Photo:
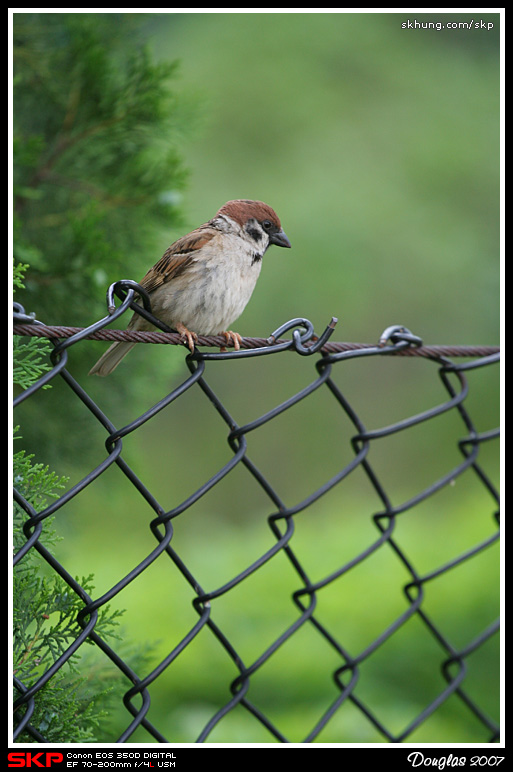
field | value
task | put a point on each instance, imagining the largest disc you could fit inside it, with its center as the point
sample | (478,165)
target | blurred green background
(379,148)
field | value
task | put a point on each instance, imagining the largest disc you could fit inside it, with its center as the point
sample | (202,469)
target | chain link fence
(325,359)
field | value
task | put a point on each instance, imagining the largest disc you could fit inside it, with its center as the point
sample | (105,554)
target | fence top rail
(174,339)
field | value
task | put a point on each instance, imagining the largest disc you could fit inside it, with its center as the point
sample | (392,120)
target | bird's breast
(212,293)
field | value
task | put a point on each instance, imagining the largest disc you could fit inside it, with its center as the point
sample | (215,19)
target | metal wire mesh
(325,357)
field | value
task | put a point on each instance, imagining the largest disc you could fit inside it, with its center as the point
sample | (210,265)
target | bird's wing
(178,257)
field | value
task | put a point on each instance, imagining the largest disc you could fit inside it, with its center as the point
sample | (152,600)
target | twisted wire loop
(327,356)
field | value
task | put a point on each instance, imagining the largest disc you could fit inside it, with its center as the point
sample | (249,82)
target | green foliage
(70,706)
(97,181)
(45,610)
(34,481)
(97,173)
(97,176)
(29,364)
(64,714)
(28,354)
(18,275)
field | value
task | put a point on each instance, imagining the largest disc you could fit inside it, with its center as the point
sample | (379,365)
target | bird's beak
(280,239)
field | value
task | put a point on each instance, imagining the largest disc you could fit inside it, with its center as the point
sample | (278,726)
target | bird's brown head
(243,211)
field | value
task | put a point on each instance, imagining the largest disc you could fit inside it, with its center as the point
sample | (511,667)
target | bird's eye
(267,225)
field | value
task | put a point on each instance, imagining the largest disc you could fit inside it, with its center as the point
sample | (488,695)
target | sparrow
(204,280)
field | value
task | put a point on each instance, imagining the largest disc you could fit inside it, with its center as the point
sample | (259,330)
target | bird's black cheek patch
(255,233)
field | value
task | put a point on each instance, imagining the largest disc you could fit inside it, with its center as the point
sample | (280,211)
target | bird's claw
(188,338)
(232,338)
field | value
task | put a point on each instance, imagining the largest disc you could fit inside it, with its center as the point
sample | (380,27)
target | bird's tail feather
(111,359)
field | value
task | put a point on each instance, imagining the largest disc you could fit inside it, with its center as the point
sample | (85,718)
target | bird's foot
(232,338)
(188,338)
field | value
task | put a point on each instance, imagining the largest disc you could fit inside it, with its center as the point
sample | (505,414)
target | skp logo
(41,759)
